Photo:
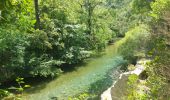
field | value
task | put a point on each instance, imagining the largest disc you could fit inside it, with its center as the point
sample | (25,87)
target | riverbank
(88,77)
(119,87)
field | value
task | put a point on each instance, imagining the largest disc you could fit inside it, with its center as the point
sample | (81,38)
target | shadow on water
(97,88)
(73,67)
(37,83)
(66,68)
(101,85)
(90,76)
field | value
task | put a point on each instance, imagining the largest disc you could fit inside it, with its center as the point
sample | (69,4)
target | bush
(12,51)
(135,41)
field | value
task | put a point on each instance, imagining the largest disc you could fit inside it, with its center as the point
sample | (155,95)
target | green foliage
(134,41)
(158,50)
(63,38)
(83,96)
(132,85)
(135,89)
(3,93)
(12,50)
(141,6)
(21,87)
(71,30)
(157,86)
(158,69)
(6,95)
(159,7)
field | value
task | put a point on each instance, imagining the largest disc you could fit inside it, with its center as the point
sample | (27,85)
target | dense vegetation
(40,37)
(37,40)
(155,17)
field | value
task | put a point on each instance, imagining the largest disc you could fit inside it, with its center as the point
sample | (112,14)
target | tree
(89,6)
(37,24)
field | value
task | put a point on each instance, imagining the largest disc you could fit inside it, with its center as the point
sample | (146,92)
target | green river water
(93,77)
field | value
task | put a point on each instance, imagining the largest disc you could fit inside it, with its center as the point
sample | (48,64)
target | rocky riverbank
(118,89)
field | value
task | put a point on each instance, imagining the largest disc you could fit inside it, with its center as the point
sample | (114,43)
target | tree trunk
(37,24)
(89,21)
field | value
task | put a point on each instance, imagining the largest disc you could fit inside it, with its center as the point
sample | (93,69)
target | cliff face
(119,88)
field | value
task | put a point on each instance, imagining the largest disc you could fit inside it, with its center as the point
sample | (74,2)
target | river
(96,75)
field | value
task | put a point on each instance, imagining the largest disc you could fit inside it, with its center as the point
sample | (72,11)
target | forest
(46,39)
